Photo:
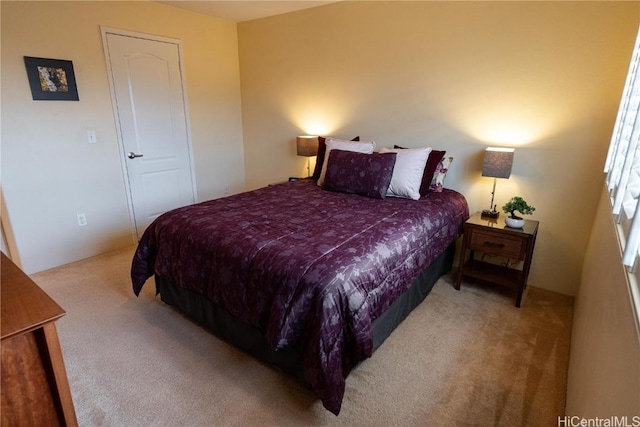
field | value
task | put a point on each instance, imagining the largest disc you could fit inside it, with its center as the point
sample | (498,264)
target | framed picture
(51,79)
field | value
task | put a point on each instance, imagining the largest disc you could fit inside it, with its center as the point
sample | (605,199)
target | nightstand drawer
(494,244)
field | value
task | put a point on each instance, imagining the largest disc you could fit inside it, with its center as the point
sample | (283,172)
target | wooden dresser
(34,386)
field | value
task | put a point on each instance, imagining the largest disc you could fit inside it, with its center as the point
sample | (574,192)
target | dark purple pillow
(430,168)
(357,173)
(322,150)
(432,163)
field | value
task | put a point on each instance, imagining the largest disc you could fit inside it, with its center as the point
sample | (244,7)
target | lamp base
(490,214)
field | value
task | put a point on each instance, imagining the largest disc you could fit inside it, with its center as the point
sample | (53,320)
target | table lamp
(307,146)
(497,164)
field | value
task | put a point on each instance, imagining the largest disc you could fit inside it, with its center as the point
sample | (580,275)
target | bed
(307,279)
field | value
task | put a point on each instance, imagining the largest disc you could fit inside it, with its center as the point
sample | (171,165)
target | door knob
(133,155)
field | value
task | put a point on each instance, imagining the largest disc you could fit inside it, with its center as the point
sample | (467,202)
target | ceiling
(241,10)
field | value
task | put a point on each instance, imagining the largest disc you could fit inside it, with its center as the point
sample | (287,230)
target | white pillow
(365,147)
(408,171)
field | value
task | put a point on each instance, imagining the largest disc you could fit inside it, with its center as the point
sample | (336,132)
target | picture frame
(51,79)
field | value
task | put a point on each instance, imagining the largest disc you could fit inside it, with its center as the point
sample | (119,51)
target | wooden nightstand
(493,238)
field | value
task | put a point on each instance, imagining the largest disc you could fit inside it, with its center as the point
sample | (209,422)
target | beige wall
(604,366)
(49,171)
(544,77)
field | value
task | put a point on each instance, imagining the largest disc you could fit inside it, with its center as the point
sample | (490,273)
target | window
(623,164)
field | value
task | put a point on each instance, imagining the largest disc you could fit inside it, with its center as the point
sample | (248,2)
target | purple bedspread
(303,264)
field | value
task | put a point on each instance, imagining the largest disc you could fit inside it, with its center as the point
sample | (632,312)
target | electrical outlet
(82,219)
(226,190)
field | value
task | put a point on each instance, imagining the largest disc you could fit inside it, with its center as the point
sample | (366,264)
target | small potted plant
(520,205)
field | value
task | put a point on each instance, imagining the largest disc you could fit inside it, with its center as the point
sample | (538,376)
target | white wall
(604,365)
(49,171)
(543,77)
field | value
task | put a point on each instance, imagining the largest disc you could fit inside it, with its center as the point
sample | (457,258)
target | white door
(147,89)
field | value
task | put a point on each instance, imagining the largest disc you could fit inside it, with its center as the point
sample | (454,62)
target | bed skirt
(250,339)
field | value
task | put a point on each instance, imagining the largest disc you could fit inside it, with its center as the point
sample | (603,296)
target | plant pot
(514,223)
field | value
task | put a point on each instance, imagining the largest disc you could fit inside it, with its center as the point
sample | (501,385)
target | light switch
(91,136)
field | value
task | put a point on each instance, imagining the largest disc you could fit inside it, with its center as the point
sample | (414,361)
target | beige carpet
(465,357)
